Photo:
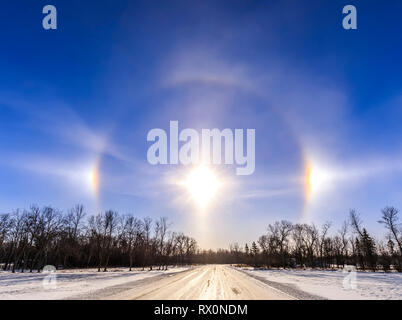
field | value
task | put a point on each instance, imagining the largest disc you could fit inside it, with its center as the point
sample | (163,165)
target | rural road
(211,282)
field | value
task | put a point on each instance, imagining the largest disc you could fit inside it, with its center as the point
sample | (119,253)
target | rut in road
(211,282)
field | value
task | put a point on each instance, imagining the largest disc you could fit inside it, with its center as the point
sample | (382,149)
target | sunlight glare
(203,185)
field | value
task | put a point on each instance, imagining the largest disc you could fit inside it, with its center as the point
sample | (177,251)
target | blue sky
(83,98)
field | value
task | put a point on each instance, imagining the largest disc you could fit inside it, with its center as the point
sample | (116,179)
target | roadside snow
(329,284)
(90,283)
(69,283)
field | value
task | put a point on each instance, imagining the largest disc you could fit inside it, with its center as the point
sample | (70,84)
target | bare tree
(111,220)
(6,224)
(281,231)
(299,247)
(356,222)
(390,220)
(69,238)
(324,232)
(310,240)
(147,243)
(132,236)
(343,236)
(236,250)
(161,228)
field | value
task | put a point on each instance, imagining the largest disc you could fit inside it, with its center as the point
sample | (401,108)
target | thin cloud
(66,125)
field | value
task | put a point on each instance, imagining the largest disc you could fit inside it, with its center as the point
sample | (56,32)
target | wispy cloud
(59,120)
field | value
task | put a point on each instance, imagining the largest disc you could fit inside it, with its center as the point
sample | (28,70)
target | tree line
(288,245)
(31,239)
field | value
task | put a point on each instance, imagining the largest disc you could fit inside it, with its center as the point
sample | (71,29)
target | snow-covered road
(210,282)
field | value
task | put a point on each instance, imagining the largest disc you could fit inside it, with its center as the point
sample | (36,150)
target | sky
(76,105)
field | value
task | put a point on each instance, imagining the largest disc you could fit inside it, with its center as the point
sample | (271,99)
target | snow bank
(69,283)
(329,284)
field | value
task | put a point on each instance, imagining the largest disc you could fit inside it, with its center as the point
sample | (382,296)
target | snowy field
(329,284)
(204,282)
(69,283)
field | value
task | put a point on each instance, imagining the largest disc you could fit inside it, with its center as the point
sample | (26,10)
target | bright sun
(203,185)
